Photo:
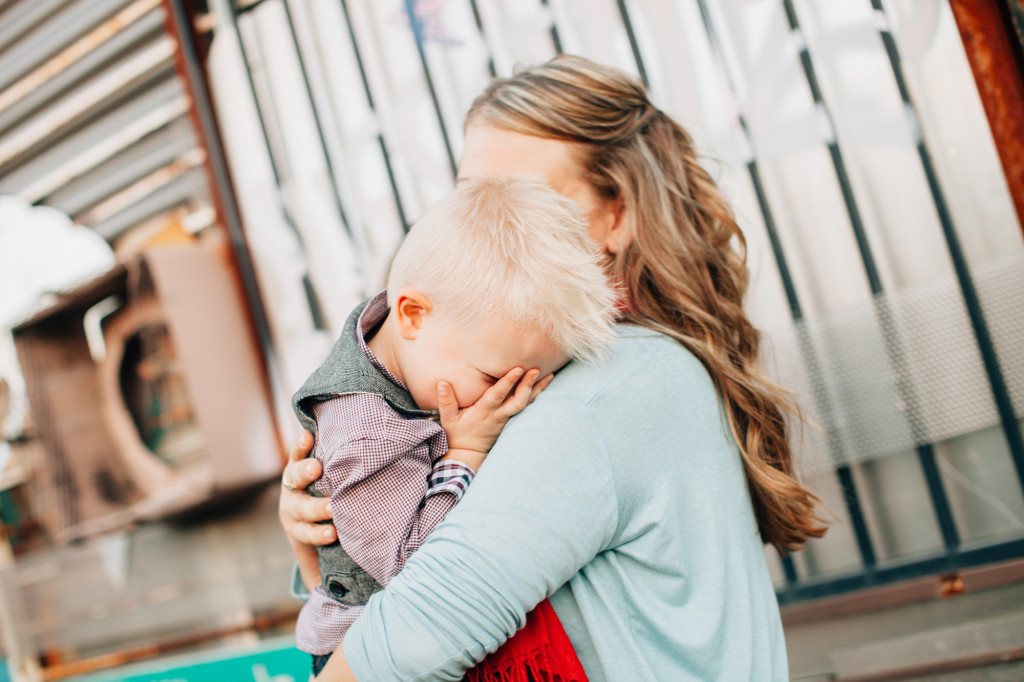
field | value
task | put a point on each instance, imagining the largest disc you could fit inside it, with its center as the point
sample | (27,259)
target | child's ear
(410,309)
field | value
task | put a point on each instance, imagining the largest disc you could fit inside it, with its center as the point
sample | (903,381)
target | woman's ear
(618,238)
(410,308)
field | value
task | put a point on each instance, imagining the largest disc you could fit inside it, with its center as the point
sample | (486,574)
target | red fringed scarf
(540,652)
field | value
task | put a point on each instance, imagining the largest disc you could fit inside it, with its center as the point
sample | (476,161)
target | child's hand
(472,431)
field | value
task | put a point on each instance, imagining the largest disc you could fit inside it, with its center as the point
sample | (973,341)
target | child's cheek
(476,391)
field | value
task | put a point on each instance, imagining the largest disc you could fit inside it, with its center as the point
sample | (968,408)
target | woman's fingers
(308,532)
(298,511)
(300,449)
(300,514)
(301,470)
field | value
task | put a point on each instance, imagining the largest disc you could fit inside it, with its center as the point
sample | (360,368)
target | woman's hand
(299,511)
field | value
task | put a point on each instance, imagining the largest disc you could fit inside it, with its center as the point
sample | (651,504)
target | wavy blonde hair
(685,270)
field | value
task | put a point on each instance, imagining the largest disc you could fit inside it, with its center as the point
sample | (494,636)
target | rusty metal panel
(993,47)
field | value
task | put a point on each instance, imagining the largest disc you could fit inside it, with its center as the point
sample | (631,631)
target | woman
(636,494)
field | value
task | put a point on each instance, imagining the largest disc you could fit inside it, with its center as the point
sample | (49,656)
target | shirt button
(337,589)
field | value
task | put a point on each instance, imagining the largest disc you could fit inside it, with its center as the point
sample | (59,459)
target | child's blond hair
(511,248)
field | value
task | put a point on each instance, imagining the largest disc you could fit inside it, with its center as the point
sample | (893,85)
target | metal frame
(179,25)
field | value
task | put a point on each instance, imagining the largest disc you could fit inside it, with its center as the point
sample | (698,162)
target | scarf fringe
(540,652)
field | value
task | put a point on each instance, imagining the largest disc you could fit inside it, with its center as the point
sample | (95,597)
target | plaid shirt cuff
(450,476)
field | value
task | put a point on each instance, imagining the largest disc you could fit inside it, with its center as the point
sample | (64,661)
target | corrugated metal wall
(95,122)
(93,118)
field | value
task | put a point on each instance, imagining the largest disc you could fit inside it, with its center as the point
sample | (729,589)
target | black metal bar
(838,164)
(822,397)
(555,38)
(857,522)
(947,562)
(944,513)
(628,23)
(417,31)
(315,309)
(890,337)
(261,119)
(483,36)
(789,569)
(319,126)
(381,142)
(180,23)
(781,262)
(819,390)
(983,339)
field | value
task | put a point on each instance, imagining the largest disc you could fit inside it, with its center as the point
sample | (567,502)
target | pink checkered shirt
(388,490)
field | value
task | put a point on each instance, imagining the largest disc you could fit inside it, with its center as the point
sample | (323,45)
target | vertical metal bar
(860,527)
(315,309)
(628,23)
(417,31)
(381,142)
(789,569)
(975,312)
(483,36)
(555,38)
(943,511)
(890,338)
(818,388)
(319,125)
(179,26)
(838,164)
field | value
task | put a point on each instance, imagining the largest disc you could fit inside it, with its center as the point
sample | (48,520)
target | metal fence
(884,247)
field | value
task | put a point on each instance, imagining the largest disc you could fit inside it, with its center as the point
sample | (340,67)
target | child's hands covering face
(472,430)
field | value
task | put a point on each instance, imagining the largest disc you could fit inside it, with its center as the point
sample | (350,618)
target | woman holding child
(634,494)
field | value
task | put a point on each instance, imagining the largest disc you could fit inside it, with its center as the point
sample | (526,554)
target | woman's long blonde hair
(685,270)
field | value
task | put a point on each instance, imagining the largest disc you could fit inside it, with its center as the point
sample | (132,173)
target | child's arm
(383,500)
(472,431)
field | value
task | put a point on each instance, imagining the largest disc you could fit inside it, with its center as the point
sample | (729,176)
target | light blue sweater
(619,493)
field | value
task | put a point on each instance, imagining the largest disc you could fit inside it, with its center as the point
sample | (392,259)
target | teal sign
(274,662)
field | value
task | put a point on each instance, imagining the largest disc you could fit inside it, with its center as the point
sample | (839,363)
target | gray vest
(347,370)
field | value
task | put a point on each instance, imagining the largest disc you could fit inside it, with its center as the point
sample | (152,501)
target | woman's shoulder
(642,361)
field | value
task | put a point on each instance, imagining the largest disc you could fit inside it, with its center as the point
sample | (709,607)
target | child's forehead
(490,328)
(514,341)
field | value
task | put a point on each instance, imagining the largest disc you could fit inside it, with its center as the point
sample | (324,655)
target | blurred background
(193,195)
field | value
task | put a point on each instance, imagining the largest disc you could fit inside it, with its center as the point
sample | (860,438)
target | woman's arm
(542,507)
(299,512)
(337,669)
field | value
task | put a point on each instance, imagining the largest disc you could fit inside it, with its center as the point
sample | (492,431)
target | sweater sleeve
(542,506)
